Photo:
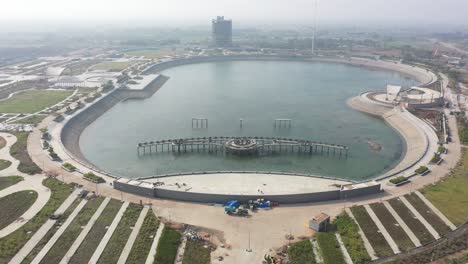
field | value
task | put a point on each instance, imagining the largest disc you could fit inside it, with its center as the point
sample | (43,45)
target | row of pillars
(203,123)
(199,122)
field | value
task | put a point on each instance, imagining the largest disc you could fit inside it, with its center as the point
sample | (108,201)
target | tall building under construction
(222,32)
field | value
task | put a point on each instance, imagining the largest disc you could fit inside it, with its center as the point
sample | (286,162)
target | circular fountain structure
(241,146)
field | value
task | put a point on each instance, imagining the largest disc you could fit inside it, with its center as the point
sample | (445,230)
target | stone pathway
(367,245)
(382,229)
(110,231)
(42,231)
(154,245)
(346,255)
(59,232)
(317,252)
(181,250)
(402,224)
(436,211)
(128,246)
(420,217)
(74,247)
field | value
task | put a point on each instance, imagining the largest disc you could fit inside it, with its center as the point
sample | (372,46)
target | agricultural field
(113,66)
(348,230)
(15,205)
(396,232)
(413,223)
(196,252)
(12,243)
(449,194)
(301,253)
(6,182)
(32,101)
(377,240)
(330,248)
(428,214)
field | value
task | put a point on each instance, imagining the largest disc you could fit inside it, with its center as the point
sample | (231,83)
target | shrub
(421,170)
(301,253)
(69,166)
(93,177)
(398,179)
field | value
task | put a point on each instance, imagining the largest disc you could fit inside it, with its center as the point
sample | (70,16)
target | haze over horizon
(243,12)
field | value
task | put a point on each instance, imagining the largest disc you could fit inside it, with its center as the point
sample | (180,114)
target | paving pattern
(128,246)
(420,218)
(402,224)
(382,229)
(367,244)
(343,249)
(154,245)
(436,211)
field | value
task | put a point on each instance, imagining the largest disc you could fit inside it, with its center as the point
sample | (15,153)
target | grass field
(196,253)
(15,205)
(348,230)
(97,232)
(377,240)
(413,223)
(113,65)
(396,232)
(301,253)
(168,245)
(142,244)
(428,214)
(4,164)
(12,243)
(63,244)
(32,101)
(121,234)
(449,195)
(330,248)
(152,54)
(34,119)
(51,232)
(19,151)
(6,182)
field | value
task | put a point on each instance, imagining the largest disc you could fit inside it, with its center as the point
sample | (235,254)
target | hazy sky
(241,11)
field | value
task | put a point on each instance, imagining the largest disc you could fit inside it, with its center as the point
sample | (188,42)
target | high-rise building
(222,32)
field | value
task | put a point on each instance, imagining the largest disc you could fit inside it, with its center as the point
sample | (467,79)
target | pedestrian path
(42,231)
(367,245)
(436,211)
(382,229)
(402,224)
(128,246)
(59,233)
(346,255)
(181,250)
(420,218)
(74,247)
(154,245)
(110,231)
(317,252)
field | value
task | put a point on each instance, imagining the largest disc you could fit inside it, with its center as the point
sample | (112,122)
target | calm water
(313,95)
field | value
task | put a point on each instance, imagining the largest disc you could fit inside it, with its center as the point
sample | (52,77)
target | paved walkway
(346,255)
(128,246)
(181,250)
(382,229)
(420,218)
(110,231)
(154,245)
(5,154)
(59,233)
(42,231)
(74,247)
(316,250)
(436,211)
(367,244)
(402,224)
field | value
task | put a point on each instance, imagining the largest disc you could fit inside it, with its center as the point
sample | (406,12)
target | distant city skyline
(242,11)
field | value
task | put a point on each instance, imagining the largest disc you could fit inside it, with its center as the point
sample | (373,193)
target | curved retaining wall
(147,189)
(71,132)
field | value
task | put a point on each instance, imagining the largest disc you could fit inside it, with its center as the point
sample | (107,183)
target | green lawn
(413,223)
(4,164)
(301,253)
(330,248)
(450,194)
(32,101)
(167,247)
(113,65)
(151,54)
(34,119)
(370,229)
(12,243)
(19,151)
(396,232)
(196,253)
(121,234)
(428,214)
(63,244)
(142,244)
(348,230)
(14,205)
(6,182)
